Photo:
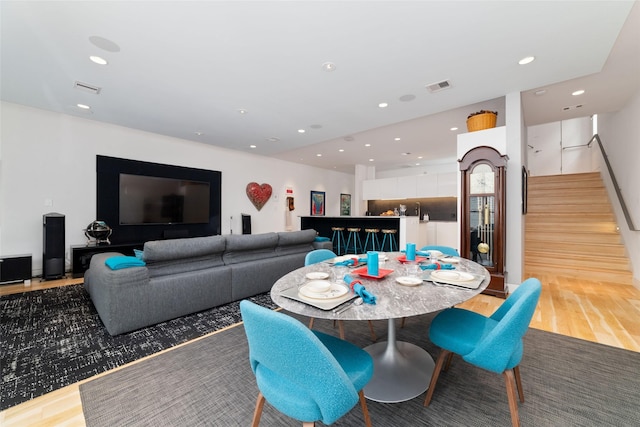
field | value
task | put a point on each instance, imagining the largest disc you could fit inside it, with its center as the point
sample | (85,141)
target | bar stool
(391,235)
(354,234)
(372,236)
(337,238)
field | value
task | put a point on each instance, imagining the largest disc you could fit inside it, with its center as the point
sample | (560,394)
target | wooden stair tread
(571,230)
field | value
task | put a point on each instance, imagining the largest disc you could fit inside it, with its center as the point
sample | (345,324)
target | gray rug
(567,382)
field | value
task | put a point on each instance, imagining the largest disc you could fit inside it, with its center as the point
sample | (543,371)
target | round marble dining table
(402,370)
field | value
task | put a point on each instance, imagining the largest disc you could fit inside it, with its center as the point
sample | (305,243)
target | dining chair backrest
(287,357)
(446,250)
(502,348)
(318,255)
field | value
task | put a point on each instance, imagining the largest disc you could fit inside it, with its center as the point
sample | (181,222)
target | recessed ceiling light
(301,131)
(396,138)
(98,60)
(341,150)
(242,111)
(419,157)
(318,155)
(526,60)
(383,105)
(371,160)
(252,146)
(329,66)
(578,92)
(83,106)
(273,139)
(367,145)
(198,133)
(417,164)
(454,128)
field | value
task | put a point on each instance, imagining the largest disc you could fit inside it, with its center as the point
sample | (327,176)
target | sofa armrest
(118,295)
(323,245)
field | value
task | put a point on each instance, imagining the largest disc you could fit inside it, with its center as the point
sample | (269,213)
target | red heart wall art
(258,194)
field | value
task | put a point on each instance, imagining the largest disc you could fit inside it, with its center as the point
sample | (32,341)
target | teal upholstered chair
(320,255)
(493,343)
(446,250)
(306,375)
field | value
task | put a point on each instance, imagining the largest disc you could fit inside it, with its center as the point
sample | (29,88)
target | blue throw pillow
(139,254)
(322,239)
(120,262)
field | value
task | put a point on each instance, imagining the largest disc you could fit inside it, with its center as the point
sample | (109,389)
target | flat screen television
(144,201)
(158,200)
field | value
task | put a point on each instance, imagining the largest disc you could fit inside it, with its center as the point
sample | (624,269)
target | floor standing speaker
(52,246)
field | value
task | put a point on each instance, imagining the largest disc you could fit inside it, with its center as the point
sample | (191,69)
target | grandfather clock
(483,215)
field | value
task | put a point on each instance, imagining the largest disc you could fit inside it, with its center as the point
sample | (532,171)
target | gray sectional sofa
(184,276)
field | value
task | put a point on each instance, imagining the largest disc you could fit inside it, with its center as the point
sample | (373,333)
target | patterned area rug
(54,337)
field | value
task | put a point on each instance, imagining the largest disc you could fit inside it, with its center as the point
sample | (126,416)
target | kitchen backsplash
(438,208)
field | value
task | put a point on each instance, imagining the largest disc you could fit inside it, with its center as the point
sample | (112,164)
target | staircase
(570,230)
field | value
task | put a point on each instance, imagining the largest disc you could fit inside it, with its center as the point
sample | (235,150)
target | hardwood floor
(601,312)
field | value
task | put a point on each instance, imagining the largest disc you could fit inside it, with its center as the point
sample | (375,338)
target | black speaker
(52,246)
(246,224)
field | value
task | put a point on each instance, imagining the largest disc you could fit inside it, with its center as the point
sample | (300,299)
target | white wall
(620,136)
(48,156)
(560,147)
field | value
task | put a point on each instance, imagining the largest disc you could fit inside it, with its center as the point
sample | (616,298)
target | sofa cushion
(295,242)
(175,249)
(249,247)
(289,238)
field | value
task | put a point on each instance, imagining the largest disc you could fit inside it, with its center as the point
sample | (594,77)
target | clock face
(482,180)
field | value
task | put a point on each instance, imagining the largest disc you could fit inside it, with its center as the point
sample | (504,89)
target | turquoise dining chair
(493,343)
(319,255)
(446,250)
(304,374)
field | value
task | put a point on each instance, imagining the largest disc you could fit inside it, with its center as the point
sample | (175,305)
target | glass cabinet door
(482,214)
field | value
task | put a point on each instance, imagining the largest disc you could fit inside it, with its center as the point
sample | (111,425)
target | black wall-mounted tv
(144,201)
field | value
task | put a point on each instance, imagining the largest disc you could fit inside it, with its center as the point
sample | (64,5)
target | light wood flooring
(594,311)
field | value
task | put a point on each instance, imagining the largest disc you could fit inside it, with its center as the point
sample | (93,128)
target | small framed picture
(345,204)
(317,203)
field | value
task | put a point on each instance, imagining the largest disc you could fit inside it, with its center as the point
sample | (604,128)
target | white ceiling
(184,69)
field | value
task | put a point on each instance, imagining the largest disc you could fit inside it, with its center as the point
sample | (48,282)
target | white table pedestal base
(401,370)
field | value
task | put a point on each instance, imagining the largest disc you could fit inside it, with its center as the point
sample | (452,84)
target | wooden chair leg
(402,322)
(374,337)
(449,359)
(516,372)
(257,413)
(436,373)
(365,410)
(511,395)
(341,329)
(311,323)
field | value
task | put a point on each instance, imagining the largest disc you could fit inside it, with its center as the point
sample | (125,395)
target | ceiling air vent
(87,88)
(436,87)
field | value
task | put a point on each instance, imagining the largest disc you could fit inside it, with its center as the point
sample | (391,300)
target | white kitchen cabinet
(447,184)
(426,185)
(406,187)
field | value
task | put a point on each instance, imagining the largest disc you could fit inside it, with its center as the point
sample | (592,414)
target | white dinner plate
(317,286)
(317,275)
(409,280)
(451,276)
(433,252)
(449,259)
(336,290)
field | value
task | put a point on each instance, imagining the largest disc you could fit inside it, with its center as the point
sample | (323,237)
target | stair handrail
(623,205)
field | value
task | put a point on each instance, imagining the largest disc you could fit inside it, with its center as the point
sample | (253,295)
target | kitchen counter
(406,226)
